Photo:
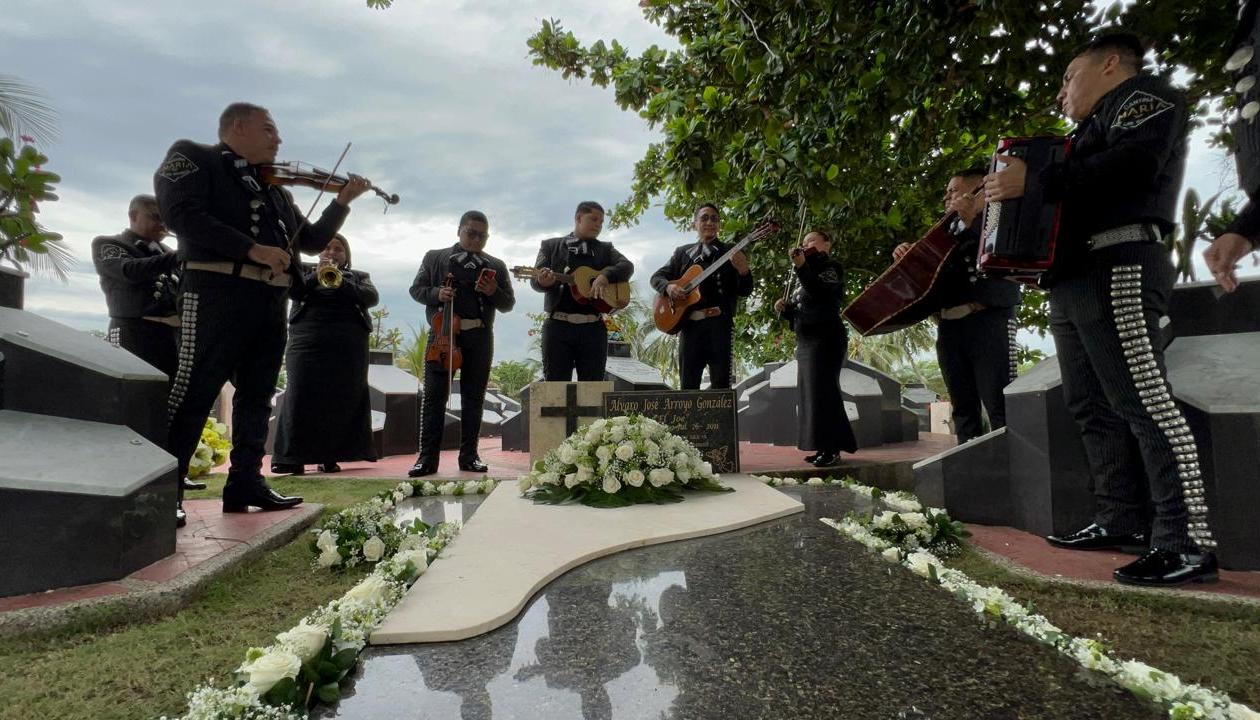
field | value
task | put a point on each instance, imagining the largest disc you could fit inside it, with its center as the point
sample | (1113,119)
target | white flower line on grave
(620,461)
(1183,701)
(320,650)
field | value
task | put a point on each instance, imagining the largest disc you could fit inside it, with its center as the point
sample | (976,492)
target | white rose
(304,640)
(620,420)
(920,562)
(329,558)
(398,496)
(585,473)
(571,480)
(327,541)
(374,588)
(447,488)
(706,469)
(419,556)
(683,474)
(373,549)
(611,484)
(592,436)
(661,477)
(271,668)
(625,451)
(567,455)
(635,478)
(617,434)
(599,425)
(791,481)
(654,457)
(405,488)
(651,448)
(525,483)
(428,488)
(892,555)
(815,481)
(682,460)
(604,453)
(1242,712)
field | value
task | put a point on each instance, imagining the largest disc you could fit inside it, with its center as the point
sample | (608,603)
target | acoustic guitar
(669,314)
(905,294)
(616,296)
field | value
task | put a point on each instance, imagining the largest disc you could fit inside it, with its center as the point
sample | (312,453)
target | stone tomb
(971,480)
(1217,380)
(80,502)
(1203,308)
(395,392)
(896,423)
(556,409)
(1050,484)
(52,369)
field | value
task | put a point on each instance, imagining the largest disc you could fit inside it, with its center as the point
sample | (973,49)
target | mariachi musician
(1243,234)
(237,237)
(707,332)
(1118,192)
(821,342)
(975,339)
(460,283)
(573,335)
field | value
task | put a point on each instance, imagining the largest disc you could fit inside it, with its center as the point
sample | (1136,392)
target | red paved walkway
(1034,553)
(754,458)
(209,533)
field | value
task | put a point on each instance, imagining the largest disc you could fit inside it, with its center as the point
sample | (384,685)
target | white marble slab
(512,548)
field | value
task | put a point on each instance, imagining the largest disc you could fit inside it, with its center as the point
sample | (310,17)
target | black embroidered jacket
(723,288)
(138,277)
(563,254)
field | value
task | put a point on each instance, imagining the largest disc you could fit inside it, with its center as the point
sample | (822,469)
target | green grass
(1214,644)
(106,668)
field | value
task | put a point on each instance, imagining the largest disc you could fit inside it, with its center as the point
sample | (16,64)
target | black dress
(821,342)
(325,415)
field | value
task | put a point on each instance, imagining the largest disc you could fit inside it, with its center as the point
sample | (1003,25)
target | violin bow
(292,248)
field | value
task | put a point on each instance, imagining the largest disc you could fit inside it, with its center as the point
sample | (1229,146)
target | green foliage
(23,185)
(383,338)
(635,325)
(24,111)
(854,113)
(511,376)
(1180,242)
(410,357)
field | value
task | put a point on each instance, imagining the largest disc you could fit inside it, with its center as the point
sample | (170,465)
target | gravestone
(918,399)
(754,422)
(80,502)
(12,282)
(378,433)
(1216,378)
(971,481)
(380,357)
(515,428)
(705,418)
(395,392)
(628,374)
(52,369)
(556,409)
(1203,308)
(783,393)
(1051,489)
(890,412)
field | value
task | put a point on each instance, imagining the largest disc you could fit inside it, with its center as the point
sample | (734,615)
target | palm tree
(23,184)
(647,344)
(24,111)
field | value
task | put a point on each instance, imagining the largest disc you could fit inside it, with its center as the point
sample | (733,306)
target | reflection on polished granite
(783,620)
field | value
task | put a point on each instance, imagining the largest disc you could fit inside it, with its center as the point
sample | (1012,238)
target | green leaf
(833,171)
(329,693)
(285,692)
(710,96)
(345,659)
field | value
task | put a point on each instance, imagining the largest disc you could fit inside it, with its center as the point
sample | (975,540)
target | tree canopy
(847,114)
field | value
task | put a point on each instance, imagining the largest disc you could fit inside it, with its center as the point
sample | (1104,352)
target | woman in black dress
(326,414)
(821,341)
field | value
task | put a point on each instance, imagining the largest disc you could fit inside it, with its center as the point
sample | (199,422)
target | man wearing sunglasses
(479,286)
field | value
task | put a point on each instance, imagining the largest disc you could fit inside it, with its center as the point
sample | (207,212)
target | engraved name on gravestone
(706,418)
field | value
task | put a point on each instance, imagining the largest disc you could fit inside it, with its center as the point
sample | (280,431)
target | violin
(301,174)
(444,347)
(808,252)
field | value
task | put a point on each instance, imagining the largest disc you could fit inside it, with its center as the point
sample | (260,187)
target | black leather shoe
(181,517)
(1096,537)
(329,468)
(474,465)
(238,499)
(193,485)
(422,467)
(812,458)
(1164,567)
(826,459)
(288,469)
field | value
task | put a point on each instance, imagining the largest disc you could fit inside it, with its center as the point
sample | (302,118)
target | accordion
(1017,237)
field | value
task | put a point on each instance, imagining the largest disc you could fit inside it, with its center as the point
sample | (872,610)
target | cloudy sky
(438,96)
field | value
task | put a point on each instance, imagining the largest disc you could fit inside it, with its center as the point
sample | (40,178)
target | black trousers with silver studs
(1105,322)
(976,354)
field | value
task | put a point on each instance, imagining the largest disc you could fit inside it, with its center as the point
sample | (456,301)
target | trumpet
(328,275)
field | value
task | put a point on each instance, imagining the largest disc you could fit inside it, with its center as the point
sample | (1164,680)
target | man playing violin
(975,340)
(573,335)
(479,285)
(235,243)
(706,335)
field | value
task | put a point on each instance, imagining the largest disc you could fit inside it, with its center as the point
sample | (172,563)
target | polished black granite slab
(784,620)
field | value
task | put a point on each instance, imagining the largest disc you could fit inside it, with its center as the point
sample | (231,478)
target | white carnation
(625,451)
(635,478)
(374,588)
(373,549)
(567,454)
(661,477)
(270,668)
(304,640)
